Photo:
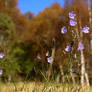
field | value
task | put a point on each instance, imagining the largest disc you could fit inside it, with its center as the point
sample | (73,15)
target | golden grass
(42,87)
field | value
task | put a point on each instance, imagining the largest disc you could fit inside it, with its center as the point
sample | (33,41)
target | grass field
(42,87)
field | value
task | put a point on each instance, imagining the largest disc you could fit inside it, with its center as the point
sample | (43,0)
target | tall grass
(43,87)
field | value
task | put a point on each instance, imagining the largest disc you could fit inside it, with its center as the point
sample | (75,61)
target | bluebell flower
(73,22)
(1,72)
(80,46)
(72,15)
(64,30)
(68,48)
(74,71)
(38,57)
(85,29)
(1,55)
(50,60)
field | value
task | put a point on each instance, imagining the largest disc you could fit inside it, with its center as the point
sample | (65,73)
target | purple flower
(80,46)
(85,29)
(74,71)
(38,57)
(71,15)
(64,30)
(68,48)
(50,60)
(1,72)
(1,55)
(73,22)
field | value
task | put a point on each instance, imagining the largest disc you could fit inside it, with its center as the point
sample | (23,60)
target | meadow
(47,52)
(42,87)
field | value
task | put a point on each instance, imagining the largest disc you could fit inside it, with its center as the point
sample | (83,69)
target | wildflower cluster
(64,30)
(73,22)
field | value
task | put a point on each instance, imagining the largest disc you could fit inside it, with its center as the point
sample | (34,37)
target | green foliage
(20,55)
(8,63)
(6,25)
(28,67)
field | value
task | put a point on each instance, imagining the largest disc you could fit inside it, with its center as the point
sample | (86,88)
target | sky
(36,6)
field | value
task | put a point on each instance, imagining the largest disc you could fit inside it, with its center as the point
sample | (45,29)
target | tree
(29,15)
(7,40)
(8,3)
(45,32)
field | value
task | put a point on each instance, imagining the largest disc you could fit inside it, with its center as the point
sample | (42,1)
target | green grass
(42,87)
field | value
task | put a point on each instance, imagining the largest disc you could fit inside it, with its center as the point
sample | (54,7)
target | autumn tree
(45,31)
(29,15)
